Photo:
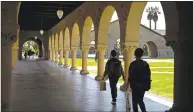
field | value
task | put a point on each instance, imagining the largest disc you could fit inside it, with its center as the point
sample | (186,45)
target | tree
(149,10)
(155,16)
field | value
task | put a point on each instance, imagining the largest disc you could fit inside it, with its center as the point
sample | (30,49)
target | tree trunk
(150,24)
(155,25)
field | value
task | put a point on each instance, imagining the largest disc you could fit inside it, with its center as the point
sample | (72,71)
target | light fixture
(60,13)
(37,37)
(41,31)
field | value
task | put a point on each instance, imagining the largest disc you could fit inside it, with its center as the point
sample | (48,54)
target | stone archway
(56,47)
(60,48)
(104,26)
(75,44)
(75,39)
(152,50)
(66,46)
(38,42)
(103,38)
(133,28)
(85,41)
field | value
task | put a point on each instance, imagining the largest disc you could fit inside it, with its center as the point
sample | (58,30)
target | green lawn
(161,64)
(162,84)
(162,69)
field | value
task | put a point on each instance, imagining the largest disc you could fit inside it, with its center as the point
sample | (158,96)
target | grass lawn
(162,69)
(162,84)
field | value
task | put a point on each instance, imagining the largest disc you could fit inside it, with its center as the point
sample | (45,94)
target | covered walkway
(45,86)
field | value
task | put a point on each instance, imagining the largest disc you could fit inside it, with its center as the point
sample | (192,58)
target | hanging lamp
(60,13)
(41,31)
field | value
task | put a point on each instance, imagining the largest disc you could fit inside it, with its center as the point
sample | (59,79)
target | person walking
(140,80)
(113,70)
(25,55)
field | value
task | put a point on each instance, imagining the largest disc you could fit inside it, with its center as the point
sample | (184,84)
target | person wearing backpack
(139,79)
(114,70)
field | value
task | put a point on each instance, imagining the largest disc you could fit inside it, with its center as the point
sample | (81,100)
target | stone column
(74,50)
(84,70)
(66,51)
(7,39)
(56,56)
(15,47)
(183,75)
(100,71)
(128,58)
(53,55)
(50,55)
(61,57)
(14,56)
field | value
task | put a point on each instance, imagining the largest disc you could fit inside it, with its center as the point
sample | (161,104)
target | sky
(144,21)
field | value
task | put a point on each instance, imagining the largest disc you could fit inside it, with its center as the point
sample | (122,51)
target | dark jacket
(139,72)
(107,72)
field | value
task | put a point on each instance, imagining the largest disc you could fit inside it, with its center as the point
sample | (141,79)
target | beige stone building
(73,32)
(154,39)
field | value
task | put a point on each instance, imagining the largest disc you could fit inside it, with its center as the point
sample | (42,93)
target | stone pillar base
(4,107)
(73,68)
(56,62)
(84,72)
(60,64)
(65,66)
(180,109)
(13,68)
(99,78)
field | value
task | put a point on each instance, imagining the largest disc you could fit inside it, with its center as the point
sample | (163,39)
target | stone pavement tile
(45,86)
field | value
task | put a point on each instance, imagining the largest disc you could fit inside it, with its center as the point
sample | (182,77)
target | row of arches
(178,35)
(78,36)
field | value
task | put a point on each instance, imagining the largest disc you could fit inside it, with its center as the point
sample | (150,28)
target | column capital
(102,47)
(130,45)
(83,48)
(61,49)
(17,26)
(8,38)
(179,44)
(66,49)
(74,48)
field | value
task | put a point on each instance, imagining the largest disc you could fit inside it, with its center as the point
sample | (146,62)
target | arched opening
(146,50)
(109,30)
(92,48)
(75,40)
(105,40)
(60,48)
(66,46)
(88,37)
(161,72)
(32,49)
(152,50)
(117,47)
(56,48)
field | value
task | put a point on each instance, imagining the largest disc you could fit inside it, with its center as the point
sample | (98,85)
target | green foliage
(31,45)
(153,14)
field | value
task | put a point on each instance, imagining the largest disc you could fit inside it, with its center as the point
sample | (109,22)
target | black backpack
(142,73)
(115,69)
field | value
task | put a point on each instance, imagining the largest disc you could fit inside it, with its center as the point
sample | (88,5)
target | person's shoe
(113,102)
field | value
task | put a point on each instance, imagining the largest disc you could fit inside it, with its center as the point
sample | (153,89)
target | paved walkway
(44,86)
